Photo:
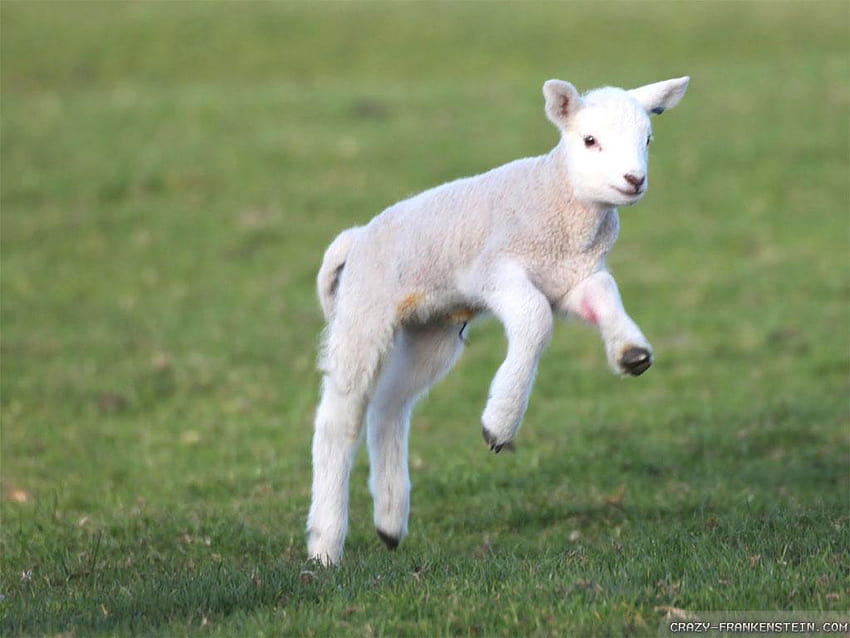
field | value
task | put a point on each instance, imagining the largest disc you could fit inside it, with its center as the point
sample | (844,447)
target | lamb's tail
(332,265)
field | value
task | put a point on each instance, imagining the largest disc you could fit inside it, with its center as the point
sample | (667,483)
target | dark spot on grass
(369,109)
(111,402)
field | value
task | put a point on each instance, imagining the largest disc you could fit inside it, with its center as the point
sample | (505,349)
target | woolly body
(519,242)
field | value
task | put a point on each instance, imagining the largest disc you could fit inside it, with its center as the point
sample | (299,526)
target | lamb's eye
(648,140)
(589,141)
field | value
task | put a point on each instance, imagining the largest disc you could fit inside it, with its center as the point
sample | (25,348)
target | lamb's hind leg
(420,357)
(352,357)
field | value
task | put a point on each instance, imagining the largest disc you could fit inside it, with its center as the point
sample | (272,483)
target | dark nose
(635,180)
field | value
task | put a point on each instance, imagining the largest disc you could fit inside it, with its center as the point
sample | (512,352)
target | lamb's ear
(657,98)
(562,100)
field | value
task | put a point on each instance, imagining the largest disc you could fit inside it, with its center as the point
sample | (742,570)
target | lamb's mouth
(631,194)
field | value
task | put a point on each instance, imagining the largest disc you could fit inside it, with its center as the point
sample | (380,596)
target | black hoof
(490,440)
(507,446)
(636,361)
(390,541)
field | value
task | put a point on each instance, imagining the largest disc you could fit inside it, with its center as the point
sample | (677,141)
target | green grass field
(171,173)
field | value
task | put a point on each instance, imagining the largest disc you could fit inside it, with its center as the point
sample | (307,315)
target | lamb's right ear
(562,100)
(657,98)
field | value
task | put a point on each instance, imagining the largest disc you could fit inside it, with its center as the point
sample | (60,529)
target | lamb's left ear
(562,101)
(660,96)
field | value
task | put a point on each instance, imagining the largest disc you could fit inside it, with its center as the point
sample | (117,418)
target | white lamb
(520,242)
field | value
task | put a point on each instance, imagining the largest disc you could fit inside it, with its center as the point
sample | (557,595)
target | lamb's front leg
(597,301)
(526,316)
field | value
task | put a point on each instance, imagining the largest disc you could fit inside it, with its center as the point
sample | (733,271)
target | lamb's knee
(527,339)
(339,407)
(353,352)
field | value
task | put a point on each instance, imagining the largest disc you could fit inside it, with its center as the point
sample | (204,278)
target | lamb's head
(605,135)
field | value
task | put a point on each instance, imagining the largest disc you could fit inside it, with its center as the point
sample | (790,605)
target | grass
(171,173)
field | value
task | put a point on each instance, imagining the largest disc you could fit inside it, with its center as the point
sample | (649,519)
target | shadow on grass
(640,511)
(109,583)
(142,573)
(697,474)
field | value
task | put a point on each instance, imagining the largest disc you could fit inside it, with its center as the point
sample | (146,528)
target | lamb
(521,242)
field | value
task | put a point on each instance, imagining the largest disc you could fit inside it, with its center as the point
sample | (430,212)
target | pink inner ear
(565,105)
(587,312)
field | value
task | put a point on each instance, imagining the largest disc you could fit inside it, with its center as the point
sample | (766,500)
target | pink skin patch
(587,312)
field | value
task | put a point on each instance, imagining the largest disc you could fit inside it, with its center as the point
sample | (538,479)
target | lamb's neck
(581,222)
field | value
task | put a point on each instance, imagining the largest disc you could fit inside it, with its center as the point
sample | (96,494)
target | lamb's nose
(635,180)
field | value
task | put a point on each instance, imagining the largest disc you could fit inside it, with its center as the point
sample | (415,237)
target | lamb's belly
(420,307)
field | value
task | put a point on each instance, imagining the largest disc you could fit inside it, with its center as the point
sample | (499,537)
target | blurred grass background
(171,173)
